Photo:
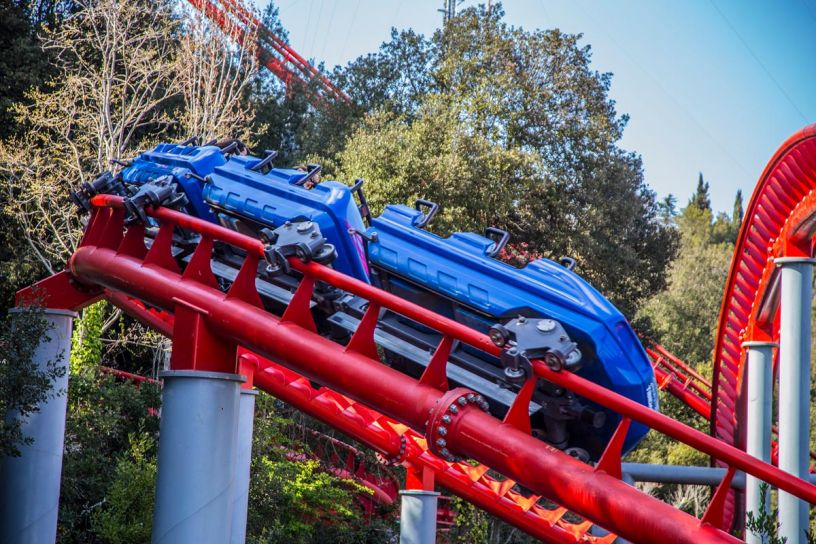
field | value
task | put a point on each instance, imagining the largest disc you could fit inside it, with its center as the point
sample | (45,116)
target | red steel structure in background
(240,23)
(207,320)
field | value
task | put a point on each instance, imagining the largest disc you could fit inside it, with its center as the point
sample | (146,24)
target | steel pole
(197,452)
(30,484)
(418,516)
(243,461)
(759,362)
(794,387)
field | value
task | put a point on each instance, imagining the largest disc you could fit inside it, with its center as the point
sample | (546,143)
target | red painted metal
(397,443)
(595,495)
(58,291)
(129,376)
(239,22)
(777,222)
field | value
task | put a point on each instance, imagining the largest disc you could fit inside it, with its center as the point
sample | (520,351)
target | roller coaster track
(542,490)
(780,221)
(242,25)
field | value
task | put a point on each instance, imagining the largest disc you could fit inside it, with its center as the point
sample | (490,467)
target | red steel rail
(679,379)
(107,259)
(778,222)
(239,22)
(397,443)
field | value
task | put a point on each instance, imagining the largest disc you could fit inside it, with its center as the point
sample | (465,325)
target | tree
(115,71)
(513,129)
(739,211)
(701,198)
(214,75)
(396,76)
(24,382)
(684,316)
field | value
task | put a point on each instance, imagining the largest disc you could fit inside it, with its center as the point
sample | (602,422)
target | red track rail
(679,379)
(239,22)
(107,259)
(778,222)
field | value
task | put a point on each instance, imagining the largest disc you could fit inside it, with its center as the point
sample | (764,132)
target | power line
(350,28)
(761,64)
(312,51)
(689,115)
(328,29)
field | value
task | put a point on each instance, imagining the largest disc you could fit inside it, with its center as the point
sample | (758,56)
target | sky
(711,86)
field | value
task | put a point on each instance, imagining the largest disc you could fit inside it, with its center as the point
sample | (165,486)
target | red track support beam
(518,455)
(599,497)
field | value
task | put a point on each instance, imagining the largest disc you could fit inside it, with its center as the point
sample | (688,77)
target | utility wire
(689,115)
(328,29)
(350,29)
(761,64)
(315,30)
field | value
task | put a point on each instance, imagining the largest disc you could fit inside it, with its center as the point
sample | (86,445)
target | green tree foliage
(86,342)
(684,316)
(127,514)
(293,497)
(701,198)
(24,382)
(109,455)
(23,66)
(514,129)
(739,210)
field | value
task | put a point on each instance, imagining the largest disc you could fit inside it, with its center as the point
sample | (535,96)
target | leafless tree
(215,69)
(117,67)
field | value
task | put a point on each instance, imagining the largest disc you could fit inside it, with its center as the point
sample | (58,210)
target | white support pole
(759,362)
(30,484)
(794,388)
(197,452)
(243,461)
(418,516)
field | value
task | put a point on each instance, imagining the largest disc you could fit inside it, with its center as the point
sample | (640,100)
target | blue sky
(710,85)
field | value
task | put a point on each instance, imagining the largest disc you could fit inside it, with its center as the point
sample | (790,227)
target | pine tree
(701,198)
(739,211)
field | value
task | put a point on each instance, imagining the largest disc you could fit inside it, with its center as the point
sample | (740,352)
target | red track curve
(778,208)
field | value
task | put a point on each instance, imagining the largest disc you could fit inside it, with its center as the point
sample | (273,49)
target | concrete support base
(418,516)
(30,484)
(197,453)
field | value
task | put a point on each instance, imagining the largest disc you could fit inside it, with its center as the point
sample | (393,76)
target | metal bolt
(462,401)
(522,319)
(442,431)
(574,357)
(453,409)
(304,227)
(546,325)
(446,418)
(445,452)
(441,442)
(513,374)
(471,397)
(288,224)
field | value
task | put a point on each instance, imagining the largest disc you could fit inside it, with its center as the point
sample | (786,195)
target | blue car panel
(458,268)
(178,161)
(274,198)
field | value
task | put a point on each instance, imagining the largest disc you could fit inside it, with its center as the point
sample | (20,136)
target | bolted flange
(444,414)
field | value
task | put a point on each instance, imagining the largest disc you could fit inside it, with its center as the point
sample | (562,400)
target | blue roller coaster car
(458,277)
